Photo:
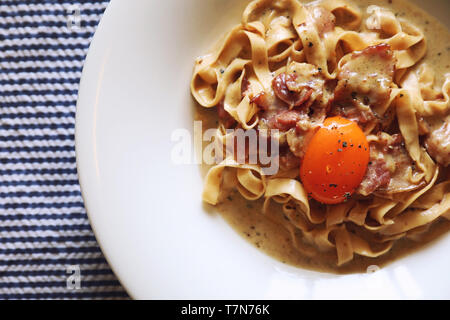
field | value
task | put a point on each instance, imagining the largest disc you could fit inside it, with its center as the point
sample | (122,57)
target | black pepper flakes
(332,185)
(354,94)
(339,150)
(222,71)
(344,144)
(310,44)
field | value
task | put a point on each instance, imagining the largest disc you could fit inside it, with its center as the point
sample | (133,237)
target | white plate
(146,212)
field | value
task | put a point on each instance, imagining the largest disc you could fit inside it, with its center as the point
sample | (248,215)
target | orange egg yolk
(335,161)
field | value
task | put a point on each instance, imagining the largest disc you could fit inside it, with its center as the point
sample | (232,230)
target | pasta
(289,66)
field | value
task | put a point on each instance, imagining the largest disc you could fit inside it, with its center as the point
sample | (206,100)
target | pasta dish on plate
(349,102)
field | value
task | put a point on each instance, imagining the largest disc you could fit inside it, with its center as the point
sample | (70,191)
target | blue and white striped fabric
(43,224)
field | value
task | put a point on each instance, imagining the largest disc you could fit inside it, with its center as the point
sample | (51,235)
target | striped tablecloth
(47,248)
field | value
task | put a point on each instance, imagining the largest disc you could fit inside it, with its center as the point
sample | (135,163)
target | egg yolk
(335,161)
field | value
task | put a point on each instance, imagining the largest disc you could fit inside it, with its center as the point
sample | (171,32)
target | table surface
(47,247)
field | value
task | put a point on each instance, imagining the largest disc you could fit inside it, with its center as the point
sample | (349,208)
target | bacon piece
(245,86)
(324,20)
(377,176)
(296,123)
(261,99)
(395,161)
(392,143)
(227,120)
(284,120)
(383,51)
(268,101)
(288,119)
(281,90)
(301,86)
(304,95)
(283,85)
(350,112)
